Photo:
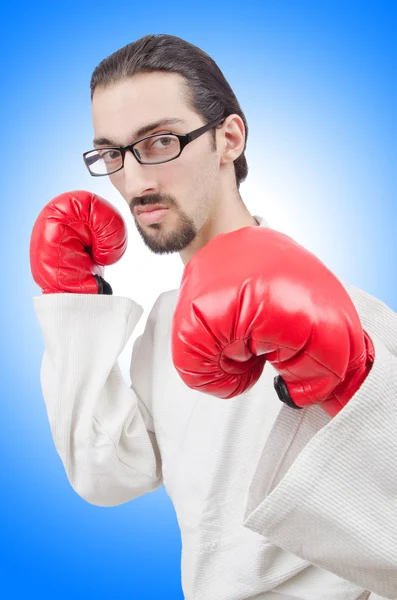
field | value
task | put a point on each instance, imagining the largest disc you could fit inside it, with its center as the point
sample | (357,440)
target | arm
(97,420)
(336,505)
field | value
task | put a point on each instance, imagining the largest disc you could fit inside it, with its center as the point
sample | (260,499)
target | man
(272,502)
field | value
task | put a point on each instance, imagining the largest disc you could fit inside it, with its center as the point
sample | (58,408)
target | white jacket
(272,502)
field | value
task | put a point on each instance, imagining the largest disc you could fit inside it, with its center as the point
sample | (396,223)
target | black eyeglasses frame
(184,140)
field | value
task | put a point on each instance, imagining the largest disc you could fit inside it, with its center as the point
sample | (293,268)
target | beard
(165,242)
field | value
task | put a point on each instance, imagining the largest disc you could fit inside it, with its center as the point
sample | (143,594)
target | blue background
(317,81)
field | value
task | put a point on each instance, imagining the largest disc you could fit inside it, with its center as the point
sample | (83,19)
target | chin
(161,242)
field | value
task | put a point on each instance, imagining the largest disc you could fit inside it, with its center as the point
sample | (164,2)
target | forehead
(123,107)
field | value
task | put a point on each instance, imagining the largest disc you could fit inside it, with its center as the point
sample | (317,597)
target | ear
(231,139)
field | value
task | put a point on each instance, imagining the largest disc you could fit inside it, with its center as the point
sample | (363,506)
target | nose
(138,179)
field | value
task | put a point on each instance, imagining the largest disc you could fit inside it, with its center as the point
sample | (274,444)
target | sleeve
(336,505)
(98,422)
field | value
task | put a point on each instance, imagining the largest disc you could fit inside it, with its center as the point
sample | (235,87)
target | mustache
(152,199)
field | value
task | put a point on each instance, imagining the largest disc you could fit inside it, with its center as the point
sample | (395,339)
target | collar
(261,221)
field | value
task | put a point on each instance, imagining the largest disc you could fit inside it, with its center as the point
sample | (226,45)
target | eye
(163,142)
(109,156)
(159,148)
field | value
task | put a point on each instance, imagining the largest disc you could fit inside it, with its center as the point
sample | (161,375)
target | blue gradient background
(317,81)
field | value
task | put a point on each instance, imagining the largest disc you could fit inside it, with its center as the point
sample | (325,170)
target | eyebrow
(146,129)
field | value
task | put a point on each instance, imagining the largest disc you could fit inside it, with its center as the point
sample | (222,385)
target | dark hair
(209,93)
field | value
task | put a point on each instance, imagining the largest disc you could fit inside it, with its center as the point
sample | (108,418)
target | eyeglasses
(151,150)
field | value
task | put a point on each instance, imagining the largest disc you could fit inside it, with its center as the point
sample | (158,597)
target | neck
(224,218)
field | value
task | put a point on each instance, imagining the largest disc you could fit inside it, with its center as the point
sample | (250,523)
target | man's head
(164,77)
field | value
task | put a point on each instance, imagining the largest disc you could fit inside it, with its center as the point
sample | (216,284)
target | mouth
(150,214)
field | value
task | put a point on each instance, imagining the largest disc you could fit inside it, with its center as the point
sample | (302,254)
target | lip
(144,209)
(152,216)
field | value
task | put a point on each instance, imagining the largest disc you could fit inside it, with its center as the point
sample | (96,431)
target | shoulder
(165,302)
(160,315)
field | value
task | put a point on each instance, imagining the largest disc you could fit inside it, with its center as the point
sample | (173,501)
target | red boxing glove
(74,236)
(254,295)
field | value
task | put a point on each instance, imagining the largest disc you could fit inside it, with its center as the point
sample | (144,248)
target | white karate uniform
(273,503)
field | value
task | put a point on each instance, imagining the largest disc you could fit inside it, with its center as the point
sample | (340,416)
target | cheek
(198,170)
(207,174)
(117,180)
(191,178)
(175,178)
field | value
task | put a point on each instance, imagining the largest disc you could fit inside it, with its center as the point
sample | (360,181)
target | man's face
(188,185)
